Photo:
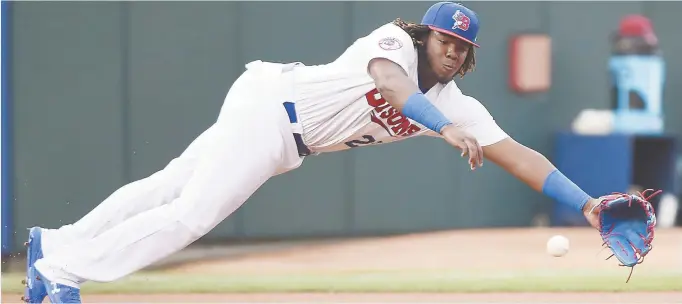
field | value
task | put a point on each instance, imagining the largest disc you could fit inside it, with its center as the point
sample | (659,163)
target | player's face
(446,55)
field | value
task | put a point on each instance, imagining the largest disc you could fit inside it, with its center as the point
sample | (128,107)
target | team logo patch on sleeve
(390,43)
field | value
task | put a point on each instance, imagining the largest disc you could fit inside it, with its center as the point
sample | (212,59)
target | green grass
(442,281)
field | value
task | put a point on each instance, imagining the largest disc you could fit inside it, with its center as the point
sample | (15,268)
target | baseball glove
(627,224)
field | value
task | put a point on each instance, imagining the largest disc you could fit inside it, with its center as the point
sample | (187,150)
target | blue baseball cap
(453,19)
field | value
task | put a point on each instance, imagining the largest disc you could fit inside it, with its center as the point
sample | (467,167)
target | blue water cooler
(637,93)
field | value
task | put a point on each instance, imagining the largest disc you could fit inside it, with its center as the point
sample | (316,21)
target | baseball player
(395,83)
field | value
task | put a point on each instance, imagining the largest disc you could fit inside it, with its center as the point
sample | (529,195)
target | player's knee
(198,223)
(197,230)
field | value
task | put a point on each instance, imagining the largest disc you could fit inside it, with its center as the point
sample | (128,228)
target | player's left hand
(466,142)
(591,212)
(626,224)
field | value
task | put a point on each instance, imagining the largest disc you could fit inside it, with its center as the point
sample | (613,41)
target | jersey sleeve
(468,113)
(392,43)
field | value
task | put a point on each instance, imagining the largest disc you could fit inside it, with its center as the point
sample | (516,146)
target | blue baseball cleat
(58,293)
(35,291)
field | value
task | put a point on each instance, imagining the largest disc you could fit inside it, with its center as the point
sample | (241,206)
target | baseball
(557,246)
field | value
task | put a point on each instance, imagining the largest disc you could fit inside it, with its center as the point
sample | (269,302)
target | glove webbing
(643,200)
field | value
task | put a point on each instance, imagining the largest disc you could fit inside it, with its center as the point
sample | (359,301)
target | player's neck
(426,77)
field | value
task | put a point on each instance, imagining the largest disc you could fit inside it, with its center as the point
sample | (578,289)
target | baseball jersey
(340,108)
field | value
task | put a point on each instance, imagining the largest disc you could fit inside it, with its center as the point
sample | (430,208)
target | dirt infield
(479,250)
(488,251)
(639,298)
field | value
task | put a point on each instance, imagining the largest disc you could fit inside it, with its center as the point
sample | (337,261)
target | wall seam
(7,161)
(349,160)
(126,134)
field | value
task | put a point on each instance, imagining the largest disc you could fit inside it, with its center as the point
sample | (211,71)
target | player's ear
(429,36)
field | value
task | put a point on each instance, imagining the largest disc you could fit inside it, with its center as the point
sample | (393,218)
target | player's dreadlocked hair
(419,33)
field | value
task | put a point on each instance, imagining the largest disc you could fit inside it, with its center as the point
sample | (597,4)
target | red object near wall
(530,63)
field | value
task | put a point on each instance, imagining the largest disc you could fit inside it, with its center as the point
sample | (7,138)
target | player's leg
(160,188)
(246,151)
(157,189)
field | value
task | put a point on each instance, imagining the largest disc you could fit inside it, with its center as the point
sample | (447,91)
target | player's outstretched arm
(404,95)
(539,173)
(625,222)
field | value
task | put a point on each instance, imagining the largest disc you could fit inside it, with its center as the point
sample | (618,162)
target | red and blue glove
(627,224)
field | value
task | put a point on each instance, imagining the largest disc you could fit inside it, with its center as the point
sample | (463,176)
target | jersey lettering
(389,118)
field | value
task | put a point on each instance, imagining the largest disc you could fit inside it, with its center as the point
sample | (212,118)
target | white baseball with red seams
(338,108)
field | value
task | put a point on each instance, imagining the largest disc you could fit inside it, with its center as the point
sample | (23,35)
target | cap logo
(461,21)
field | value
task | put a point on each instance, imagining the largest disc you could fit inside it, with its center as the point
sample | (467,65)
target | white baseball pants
(151,218)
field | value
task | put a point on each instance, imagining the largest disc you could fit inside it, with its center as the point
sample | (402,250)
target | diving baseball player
(393,84)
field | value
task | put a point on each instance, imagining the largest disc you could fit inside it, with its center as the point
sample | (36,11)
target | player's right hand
(464,141)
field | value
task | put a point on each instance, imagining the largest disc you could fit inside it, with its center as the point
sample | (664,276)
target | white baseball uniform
(337,106)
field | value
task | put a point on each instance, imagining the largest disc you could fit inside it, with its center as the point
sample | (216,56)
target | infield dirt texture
(460,266)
